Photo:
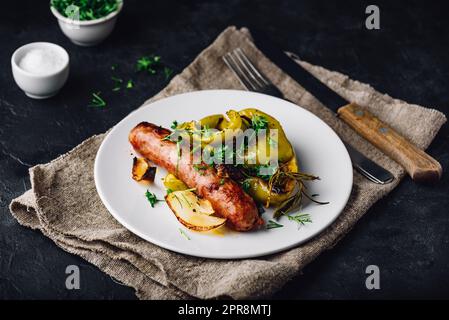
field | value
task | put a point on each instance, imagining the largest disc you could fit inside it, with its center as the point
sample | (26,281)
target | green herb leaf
(174,124)
(152,199)
(273,224)
(129,84)
(246,185)
(169,191)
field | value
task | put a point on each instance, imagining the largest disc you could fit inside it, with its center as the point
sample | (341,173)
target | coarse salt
(41,61)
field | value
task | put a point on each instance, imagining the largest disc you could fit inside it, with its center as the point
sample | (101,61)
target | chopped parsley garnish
(169,191)
(97,100)
(148,63)
(129,84)
(273,224)
(222,181)
(152,199)
(85,9)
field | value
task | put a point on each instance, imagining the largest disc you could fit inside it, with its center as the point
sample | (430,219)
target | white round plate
(319,152)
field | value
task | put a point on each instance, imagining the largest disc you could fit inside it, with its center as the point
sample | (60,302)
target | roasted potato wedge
(142,170)
(193,212)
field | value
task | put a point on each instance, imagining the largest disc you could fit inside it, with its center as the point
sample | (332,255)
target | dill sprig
(281,177)
(300,218)
(97,100)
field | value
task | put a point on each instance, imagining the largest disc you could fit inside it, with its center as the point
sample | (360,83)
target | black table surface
(406,234)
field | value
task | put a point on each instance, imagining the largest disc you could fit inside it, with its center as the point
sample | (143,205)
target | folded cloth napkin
(77,221)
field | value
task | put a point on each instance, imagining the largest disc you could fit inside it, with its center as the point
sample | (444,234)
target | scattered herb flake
(130,84)
(97,100)
(117,83)
(169,191)
(167,72)
(114,66)
(148,63)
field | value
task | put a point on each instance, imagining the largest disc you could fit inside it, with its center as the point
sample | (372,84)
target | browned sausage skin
(226,196)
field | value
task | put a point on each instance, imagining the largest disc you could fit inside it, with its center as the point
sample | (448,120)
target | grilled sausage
(226,196)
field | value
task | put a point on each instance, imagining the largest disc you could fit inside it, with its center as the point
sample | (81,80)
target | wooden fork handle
(420,166)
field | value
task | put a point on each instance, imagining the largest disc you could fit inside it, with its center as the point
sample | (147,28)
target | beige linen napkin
(64,204)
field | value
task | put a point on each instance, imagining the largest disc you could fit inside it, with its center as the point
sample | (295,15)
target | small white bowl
(39,86)
(87,32)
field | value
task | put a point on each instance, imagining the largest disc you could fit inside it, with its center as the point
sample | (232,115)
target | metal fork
(248,75)
(253,80)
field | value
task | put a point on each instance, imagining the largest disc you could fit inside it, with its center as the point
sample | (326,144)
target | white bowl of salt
(40,69)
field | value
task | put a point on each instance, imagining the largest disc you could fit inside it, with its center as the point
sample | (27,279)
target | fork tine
(232,64)
(248,72)
(253,70)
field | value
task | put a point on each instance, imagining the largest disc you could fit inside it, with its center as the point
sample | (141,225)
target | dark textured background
(405,234)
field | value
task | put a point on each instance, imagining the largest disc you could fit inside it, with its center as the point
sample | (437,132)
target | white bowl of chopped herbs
(86,22)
